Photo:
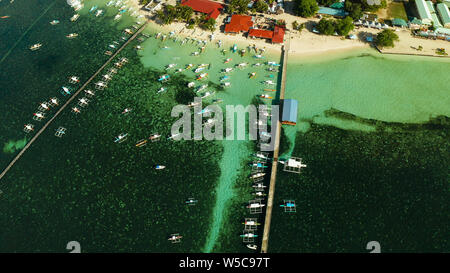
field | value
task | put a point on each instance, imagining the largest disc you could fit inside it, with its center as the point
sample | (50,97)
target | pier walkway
(273,176)
(71,99)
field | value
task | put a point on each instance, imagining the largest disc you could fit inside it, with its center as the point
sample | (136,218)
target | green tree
(386,38)
(326,2)
(354,9)
(209,24)
(306,8)
(238,6)
(184,13)
(326,26)
(261,6)
(344,26)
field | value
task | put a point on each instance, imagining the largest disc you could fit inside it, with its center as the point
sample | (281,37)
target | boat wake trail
(26,31)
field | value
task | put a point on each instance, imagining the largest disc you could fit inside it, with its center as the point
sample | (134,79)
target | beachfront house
(239,23)
(289,112)
(424,12)
(444,13)
(276,36)
(211,9)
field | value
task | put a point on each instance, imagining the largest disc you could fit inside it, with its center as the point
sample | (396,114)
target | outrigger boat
(160,167)
(72,35)
(204,111)
(28,128)
(191,201)
(271,90)
(54,22)
(259,56)
(118,16)
(199,69)
(172,136)
(265,96)
(241,65)
(126,111)
(164,78)
(259,193)
(227,70)
(200,88)
(74,17)
(260,155)
(120,138)
(251,223)
(93,9)
(76,110)
(162,89)
(196,53)
(259,186)
(257,64)
(83,102)
(141,143)
(252,75)
(251,246)
(175,238)
(226,84)
(192,104)
(35,47)
(169,66)
(191,84)
(189,66)
(98,13)
(228,60)
(54,101)
(65,91)
(249,235)
(89,93)
(271,69)
(202,76)
(224,78)
(269,82)
(273,64)
(288,205)
(257,175)
(154,137)
(258,165)
(206,94)
(38,116)
(74,79)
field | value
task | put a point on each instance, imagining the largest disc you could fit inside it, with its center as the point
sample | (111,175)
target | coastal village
(419,27)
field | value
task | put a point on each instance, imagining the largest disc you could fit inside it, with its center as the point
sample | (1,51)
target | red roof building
(278,35)
(260,33)
(211,9)
(239,23)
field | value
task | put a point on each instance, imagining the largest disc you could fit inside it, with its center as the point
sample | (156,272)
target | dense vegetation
(171,13)
(306,8)
(386,38)
(238,6)
(331,26)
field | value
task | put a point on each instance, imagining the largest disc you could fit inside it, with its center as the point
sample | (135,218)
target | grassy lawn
(396,10)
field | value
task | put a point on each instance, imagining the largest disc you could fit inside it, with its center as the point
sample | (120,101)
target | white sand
(306,42)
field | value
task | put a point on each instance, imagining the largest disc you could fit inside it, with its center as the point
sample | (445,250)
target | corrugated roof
(424,12)
(399,22)
(239,23)
(290,108)
(260,33)
(444,13)
(212,9)
(278,35)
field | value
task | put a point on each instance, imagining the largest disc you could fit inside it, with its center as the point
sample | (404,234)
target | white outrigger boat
(160,167)
(118,16)
(207,94)
(191,84)
(226,84)
(162,89)
(227,70)
(204,86)
(54,101)
(199,69)
(54,22)
(44,106)
(98,13)
(76,110)
(65,91)
(72,35)
(28,128)
(164,78)
(241,65)
(249,235)
(120,138)
(170,66)
(83,102)
(202,76)
(126,111)
(257,175)
(269,82)
(74,17)
(35,47)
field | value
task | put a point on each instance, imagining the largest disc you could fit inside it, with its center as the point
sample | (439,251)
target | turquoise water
(85,187)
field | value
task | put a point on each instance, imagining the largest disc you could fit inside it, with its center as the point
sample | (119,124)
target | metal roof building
(444,13)
(289,115)
(424,12)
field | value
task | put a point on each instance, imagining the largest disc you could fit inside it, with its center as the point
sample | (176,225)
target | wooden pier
(273,175)
(71,99)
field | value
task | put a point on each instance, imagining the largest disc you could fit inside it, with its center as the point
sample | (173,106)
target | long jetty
(273,175)
(19,155)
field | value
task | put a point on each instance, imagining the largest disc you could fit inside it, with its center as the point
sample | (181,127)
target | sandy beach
(306,42)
